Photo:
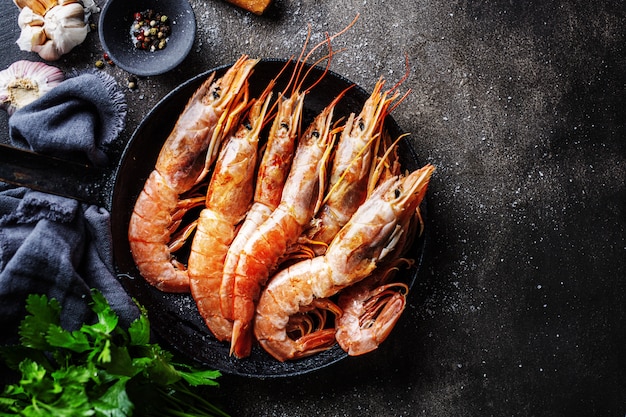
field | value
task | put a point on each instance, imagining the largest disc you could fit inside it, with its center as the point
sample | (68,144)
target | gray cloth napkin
(78,119)
(54,245)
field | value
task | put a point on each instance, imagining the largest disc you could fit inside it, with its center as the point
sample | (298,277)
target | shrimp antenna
(296,73)
(331,37)
(379,167)
(400,100)
(407,72)
(302,59)
(298,63)
(328,57)
(399,83)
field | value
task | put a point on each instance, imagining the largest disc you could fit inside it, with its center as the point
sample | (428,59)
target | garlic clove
(48,50)
(40,7)
(70,38)
(31,36)
(71,15)
(29,18)
(25,81)
(65,27)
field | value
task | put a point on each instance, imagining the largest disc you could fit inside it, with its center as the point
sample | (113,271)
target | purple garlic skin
(25,81)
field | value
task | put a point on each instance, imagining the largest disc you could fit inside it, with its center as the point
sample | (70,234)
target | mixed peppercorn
(150,30)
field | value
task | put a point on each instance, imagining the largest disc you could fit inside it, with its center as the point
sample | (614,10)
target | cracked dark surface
(520,304)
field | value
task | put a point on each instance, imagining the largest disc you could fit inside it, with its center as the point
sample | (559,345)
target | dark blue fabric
(54,245)
(78,119)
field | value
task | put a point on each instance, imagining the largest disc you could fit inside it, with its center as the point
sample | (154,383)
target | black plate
(174,316)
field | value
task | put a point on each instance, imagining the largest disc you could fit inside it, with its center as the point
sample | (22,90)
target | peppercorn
(108,59)
(132,82)
(150,30)
(99,64)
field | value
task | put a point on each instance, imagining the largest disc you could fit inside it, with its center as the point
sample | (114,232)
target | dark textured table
(520,304)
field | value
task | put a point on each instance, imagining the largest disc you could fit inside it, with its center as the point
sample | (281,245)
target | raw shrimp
(352,166)
(299,201)
(227,201)
(271,177)
(371,234)
(190,148)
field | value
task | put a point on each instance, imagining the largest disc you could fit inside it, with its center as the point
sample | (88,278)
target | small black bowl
(114,30)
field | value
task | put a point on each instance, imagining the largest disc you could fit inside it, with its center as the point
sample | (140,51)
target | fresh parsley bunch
(99,370)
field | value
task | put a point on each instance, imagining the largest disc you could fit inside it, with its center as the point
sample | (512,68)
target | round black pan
(174,316)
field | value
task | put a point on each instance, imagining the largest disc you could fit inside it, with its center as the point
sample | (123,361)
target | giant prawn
(187,153)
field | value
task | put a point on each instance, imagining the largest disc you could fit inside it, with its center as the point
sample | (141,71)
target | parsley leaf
(99,370)
(139,331)
(34,327)
(75,341)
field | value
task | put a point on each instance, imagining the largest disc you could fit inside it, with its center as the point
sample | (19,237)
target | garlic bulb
(24,82)
(52,28)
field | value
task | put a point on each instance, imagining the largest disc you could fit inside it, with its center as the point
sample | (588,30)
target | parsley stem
(182,399)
